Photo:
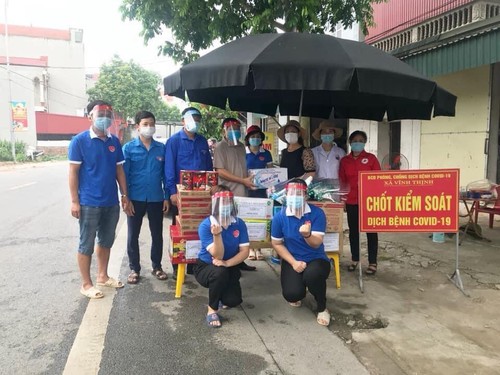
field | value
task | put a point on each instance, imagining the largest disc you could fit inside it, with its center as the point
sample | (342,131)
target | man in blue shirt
(185,150)
(96,164)
(144,169)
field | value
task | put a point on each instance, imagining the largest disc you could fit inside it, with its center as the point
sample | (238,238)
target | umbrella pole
(300,106)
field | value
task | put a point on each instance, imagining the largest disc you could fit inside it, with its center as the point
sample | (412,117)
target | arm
(74,182)
(309,164)
(313,239)
(122,183)
(243,249)
(217,246)
(283,252)
(226,175)
(240,257)
(170,178)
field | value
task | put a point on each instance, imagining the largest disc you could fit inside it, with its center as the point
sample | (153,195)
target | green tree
(212,120)
(165,112)
(196,24)
(128,87)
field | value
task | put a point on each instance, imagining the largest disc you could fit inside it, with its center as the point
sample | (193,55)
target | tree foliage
(166,112)
(196,24)
(212,119)
(128,87)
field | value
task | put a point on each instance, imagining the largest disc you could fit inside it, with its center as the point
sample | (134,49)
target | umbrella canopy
(317,73)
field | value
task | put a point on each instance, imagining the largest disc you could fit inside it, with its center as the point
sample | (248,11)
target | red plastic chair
(492,211)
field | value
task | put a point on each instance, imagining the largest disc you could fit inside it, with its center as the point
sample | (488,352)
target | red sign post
(409,201)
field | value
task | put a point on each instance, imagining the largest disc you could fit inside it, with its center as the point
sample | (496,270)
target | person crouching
(224,245)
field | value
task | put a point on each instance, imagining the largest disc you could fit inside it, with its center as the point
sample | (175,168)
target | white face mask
(147,131)
(292,138)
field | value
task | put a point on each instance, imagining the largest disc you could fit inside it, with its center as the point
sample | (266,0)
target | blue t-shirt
(258,160)
(144,170)
(98,160)
(233,237)
(286,228)
(181,152)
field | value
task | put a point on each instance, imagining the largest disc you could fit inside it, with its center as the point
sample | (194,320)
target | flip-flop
(259,255)
(371,270)
(159,274)
(92,292)
(213,318)
(112,283)
(295,304)
(352,267)
(324,318)
(251,255)
(133,278)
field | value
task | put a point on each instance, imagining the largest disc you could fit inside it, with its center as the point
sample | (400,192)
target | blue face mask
(294,201)
(192,126)
(233,134)
(357,146)
(102,123)
(327,138)
(254,142)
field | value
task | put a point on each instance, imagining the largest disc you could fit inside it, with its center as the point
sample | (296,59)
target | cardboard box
(188,226)
(258,230)
(268,177)
(192,193)
(332,242)
(183,248)
(334,213)
(254,208)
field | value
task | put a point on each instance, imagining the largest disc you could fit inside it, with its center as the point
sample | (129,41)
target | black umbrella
(312,75)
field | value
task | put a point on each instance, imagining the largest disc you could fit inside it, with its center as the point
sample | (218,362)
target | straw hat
(281,131)
(327,125)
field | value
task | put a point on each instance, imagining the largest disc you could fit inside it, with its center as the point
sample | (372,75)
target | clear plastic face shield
(192,120)
(296,198)
(102,117)
(233,132)
(223,208)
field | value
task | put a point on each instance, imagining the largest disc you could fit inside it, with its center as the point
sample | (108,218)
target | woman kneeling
(297,236)
(224,245)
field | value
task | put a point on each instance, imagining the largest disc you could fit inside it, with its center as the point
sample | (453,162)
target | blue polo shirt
(97,175)
(233,237)
(286,228)
(181,152)
(144,170)
(258,160)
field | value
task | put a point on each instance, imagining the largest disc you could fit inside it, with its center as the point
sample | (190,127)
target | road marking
(86,353)
(21,186)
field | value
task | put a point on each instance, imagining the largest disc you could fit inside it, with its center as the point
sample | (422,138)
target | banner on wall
(19,116)
(409,201)
(268,143)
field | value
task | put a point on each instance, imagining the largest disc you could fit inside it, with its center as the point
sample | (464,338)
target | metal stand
(360,277)
(455,277)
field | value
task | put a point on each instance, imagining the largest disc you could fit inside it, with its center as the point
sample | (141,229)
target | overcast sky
(105,34)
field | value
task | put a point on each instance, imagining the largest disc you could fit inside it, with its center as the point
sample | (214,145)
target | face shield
(223,208)
(296,198)
(192,121)
(233,132)
(102,117)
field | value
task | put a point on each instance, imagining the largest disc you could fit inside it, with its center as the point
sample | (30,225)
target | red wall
(398,15)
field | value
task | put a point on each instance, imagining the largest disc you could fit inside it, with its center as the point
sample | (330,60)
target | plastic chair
(334,256)
(492,211)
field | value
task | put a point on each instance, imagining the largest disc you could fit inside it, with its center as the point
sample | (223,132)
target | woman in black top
(296,158)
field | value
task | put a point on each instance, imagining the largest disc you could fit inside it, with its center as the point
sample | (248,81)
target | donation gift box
(183,248)
(258,230)
(254,208)
(334,213)
(267,177)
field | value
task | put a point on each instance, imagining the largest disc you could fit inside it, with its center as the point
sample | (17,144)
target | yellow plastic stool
(181,272)
(336,266)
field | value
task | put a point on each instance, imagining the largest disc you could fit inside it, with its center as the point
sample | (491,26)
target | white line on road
(86,352)
(21,186)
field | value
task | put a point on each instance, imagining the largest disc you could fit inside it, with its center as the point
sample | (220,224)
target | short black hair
(93,103)
(190,109)
(141,115)
(358,132)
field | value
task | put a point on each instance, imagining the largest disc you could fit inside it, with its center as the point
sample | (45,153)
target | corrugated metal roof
(466,53)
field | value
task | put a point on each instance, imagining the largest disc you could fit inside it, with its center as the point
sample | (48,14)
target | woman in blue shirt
(297,236)
(224,245)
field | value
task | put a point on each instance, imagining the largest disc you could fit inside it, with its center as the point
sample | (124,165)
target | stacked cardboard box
(183,248)
(194,207)
(257,214)
(334,213)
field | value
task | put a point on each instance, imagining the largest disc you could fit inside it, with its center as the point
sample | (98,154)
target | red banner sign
(409,201)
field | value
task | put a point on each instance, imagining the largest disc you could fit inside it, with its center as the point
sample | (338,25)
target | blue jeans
(134,223)
(100,223)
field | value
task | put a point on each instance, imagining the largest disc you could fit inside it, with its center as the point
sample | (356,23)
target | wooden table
(471,205)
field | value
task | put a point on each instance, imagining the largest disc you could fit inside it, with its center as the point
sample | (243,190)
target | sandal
(295,304)
(112,283)
(92,292)
(251,255)
(133,278)
(372,269)
(352,267)
(213,320)
(324,318)
(259,255)
(159,274)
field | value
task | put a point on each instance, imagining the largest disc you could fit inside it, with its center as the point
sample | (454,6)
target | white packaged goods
(254,208)
(258,230)
(264,178)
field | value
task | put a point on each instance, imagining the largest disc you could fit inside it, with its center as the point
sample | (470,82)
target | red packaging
(186,180)
(212,179)
(199,180)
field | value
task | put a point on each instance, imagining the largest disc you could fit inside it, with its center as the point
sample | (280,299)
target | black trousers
(294,284)
(372,238)
(134,223)
(223,284)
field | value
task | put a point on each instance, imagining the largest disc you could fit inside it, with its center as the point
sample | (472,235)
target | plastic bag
(483,189)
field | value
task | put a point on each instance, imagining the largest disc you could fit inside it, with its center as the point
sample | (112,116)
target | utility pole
(7,58)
